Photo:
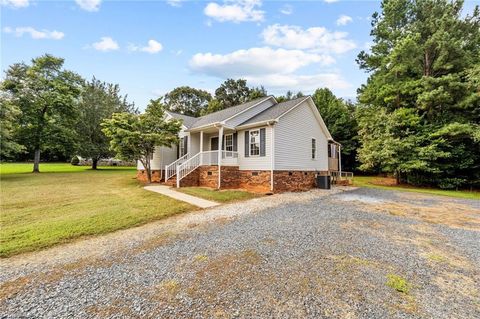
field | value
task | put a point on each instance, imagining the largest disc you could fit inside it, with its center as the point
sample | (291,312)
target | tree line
(417,117)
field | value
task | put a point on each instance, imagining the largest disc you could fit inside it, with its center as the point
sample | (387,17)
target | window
(255,143)
(332,151)
(229,145)
(183,150)
(314,148)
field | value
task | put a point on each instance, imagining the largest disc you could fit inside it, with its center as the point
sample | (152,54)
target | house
(262,146)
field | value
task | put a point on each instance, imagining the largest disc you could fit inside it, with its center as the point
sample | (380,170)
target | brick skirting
(255,181)
(142,176)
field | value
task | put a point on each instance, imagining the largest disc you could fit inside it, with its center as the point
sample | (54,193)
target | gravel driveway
(317,254)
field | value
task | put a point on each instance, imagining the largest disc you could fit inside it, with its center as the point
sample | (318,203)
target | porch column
(201,147)
(220,140)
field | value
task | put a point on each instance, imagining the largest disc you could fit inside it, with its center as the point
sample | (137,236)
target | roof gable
(227,113)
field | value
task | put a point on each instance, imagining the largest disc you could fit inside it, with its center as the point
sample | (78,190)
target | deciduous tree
(46,94)
(187,100)
(98,101)
(134,137)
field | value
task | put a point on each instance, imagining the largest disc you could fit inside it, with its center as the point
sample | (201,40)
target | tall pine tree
(423,82)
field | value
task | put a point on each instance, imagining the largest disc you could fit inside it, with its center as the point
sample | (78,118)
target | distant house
(262,145)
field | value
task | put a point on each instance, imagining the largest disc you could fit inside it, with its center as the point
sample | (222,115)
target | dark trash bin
(323,182)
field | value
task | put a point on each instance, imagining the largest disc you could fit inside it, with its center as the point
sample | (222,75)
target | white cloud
(235,11)
(304,83)
(330,1)
(286,9)
(152,47)
(316,38)
(15,3)
(35,34)
(106,44)
(175,3)
(344,20)
(89,5)
(255,61)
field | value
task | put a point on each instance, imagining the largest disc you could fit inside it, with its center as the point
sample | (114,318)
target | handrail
(337,175)
(170,169)
(202,158)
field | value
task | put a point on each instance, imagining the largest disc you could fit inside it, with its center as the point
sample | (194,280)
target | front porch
(211,147)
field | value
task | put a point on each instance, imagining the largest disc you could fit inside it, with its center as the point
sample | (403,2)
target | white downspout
(272,155)
(201,148)
(220,140)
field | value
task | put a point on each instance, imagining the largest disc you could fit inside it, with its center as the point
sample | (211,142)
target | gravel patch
(318,254)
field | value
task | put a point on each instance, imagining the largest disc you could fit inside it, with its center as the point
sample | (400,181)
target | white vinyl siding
(293,141)
(242,117)
(254,162)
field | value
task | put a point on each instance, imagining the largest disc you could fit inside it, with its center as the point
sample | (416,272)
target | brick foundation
(233,178)
(142,176)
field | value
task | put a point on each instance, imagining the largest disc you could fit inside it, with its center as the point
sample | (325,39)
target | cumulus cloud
(315,38)
(89,5)
(344,20)
(35,34)
(15,3)
(310,82)
(255,61)
(286,9)
(152,47)
(235,11)
(106,44)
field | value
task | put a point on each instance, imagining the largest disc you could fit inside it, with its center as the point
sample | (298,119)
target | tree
(289,96)
(424,63)
(9,115)
(46,94)
(339,116)
(232,92)
(187,100)
(257,93)
(134,137)
(98,101)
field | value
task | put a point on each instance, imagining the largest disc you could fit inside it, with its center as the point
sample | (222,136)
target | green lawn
(221,196)
(67,202)
(380,182)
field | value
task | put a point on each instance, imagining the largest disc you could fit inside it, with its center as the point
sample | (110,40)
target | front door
(214,144)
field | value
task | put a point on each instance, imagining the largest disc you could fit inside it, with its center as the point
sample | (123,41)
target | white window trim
(313,151)
(250,143)
(182,149)
(227,152)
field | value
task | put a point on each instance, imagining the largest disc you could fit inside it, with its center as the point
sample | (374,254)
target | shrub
(451,183)
(75,161)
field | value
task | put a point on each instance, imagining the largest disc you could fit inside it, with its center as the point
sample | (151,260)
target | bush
(75,161)
(451,183)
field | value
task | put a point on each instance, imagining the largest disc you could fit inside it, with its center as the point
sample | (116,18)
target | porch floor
(170,192)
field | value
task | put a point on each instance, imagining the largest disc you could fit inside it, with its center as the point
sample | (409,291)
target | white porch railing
(204,158)
(171,169)
(341,176)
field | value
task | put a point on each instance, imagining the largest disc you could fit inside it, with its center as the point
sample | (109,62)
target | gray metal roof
(274,111)
(187,120)
(226,113)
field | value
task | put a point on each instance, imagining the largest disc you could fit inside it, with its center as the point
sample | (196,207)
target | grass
(384,183)
(221,196)
(398,283)
(67,202)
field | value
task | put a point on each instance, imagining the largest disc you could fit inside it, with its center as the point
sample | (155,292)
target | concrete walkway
(170,192)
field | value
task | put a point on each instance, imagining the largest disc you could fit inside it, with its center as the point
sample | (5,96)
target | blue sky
(151,47)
